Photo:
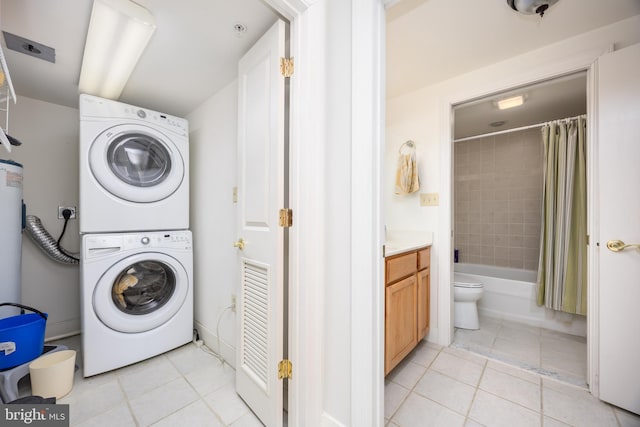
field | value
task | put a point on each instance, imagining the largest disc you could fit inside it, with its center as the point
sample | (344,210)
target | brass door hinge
(286,67)
(284,369)
(286,217)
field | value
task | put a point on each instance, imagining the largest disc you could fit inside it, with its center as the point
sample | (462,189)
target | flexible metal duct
(48,244)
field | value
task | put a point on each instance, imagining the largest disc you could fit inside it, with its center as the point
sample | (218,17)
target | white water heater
(10,234)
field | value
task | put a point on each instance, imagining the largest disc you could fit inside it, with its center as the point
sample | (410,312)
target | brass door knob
(619,245)
(239,244)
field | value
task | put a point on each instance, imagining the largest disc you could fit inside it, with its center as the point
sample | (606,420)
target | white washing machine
(134,168)
(136,297)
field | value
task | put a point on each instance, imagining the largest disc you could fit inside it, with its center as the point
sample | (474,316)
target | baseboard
(210,339)
(58,330)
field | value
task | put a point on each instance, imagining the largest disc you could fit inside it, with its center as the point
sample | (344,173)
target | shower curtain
(562,268)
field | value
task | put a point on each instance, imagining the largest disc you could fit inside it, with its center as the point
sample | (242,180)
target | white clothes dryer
(136,297)
(134,168)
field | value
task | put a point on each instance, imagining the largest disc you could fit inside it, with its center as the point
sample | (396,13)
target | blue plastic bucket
(21,337)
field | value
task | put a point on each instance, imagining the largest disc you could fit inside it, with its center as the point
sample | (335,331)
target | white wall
(49,154)
(422,116)
(406,121)
(212,150)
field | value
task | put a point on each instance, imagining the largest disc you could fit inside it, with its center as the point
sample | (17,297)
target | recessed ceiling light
(514,101)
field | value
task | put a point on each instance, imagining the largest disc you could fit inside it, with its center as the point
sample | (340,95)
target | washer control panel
(96,246)
(158,239)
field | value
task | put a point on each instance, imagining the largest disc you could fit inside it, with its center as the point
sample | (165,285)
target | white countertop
(399,241)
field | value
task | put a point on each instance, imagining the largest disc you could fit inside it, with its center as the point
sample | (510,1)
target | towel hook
(409,144)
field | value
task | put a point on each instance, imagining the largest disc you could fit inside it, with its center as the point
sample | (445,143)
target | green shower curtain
(562,269)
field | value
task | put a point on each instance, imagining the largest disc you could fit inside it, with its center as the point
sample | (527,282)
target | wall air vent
(29,47)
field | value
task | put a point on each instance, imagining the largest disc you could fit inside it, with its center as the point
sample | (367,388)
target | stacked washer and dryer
(136,263)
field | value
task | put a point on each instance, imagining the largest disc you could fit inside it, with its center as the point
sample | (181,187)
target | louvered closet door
(261,194)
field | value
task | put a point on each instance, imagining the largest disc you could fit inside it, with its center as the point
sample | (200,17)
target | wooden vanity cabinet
(406,304)
(423,292)
(401,318)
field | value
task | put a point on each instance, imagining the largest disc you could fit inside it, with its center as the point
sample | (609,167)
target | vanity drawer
(424,258)
(400,266)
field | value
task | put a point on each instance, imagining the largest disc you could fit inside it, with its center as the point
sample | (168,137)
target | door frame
(307,310)
(308,177)
(528,74)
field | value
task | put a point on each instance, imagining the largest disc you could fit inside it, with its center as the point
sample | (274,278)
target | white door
(261,184)
(619,177)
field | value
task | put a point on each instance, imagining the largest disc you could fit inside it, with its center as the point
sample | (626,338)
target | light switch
(429,199)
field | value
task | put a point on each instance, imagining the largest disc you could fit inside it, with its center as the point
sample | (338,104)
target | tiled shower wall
(498,199)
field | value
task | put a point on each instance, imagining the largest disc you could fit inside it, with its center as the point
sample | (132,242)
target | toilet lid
(467,285)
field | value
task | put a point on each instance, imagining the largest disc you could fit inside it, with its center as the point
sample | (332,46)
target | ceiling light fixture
(529,7)
(506,103)
(119,31)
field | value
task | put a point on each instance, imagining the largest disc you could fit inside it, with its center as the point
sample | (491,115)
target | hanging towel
(407,174)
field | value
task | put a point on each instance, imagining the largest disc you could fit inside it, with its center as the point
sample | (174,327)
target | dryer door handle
(103,251)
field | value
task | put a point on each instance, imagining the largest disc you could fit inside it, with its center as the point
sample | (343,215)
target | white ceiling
(555,99)
(193,53)
(429,41)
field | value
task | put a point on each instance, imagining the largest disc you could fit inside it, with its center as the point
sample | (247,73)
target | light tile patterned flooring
(184,387)
(539,350)
(449,387)
(433,386)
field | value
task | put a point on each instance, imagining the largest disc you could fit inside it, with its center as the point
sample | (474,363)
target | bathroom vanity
(406,300)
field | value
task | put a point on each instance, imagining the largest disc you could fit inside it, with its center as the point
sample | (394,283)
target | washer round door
(140,292)
(136,163)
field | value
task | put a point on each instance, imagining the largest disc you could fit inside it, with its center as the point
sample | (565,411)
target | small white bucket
(52,374)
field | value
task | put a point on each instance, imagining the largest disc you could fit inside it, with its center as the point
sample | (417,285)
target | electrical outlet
(233,302)
(71,208)
(429,199)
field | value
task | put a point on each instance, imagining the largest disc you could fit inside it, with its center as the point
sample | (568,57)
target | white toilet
(465,296)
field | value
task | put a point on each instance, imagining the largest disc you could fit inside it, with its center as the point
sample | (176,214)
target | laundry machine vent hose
(46,242)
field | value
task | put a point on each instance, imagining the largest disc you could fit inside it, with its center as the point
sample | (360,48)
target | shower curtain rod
(500,132)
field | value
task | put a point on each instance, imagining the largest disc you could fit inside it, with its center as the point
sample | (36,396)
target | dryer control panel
(96,108)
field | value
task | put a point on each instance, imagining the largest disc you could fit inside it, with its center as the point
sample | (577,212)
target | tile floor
(539,350)
(433,386)
(184,387)
(448,387)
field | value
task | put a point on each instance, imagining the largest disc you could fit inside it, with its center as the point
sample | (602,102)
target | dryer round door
(141,292)
(136,163)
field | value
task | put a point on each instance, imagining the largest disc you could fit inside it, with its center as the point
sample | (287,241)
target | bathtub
(510,294)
